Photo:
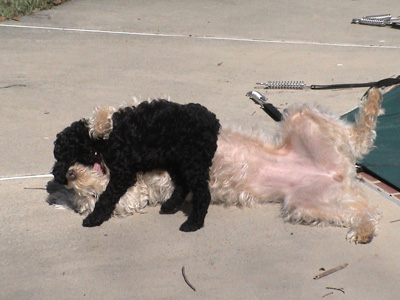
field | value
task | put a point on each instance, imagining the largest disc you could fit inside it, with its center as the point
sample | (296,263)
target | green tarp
(384,160)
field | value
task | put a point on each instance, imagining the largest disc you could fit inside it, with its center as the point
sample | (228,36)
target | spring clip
(378,20)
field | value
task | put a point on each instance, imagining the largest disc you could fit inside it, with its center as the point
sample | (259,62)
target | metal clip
(257,97)
(271,110)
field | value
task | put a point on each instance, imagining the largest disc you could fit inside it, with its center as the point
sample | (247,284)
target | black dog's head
(72,145)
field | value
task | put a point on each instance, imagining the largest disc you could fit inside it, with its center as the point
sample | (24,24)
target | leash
(300,85)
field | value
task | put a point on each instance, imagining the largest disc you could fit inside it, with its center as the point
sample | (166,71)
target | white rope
(26,177)
(214,38)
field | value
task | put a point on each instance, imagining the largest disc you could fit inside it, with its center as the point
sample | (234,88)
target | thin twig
(11,85)
(327,294)
(336,289)
(27,188)
(186,280)
(398,220)
(329,272)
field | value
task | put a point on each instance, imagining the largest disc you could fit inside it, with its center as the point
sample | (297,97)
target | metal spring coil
(285,85)
(374,22)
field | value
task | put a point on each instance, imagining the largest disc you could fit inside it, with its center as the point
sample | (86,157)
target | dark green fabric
(384,160)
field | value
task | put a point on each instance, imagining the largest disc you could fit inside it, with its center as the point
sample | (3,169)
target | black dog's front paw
(93,220)
(190,226)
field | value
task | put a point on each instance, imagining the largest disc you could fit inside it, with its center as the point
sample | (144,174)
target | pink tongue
(97,167)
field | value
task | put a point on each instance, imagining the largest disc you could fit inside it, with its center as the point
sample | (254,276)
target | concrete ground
(56,65)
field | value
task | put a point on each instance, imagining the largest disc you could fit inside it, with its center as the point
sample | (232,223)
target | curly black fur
(181,139)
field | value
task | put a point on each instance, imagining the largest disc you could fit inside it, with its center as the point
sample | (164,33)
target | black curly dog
(181,139)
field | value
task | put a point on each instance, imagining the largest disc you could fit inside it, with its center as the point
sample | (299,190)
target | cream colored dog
(308,166)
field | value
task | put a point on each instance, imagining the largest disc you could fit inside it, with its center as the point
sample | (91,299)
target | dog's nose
(71,176)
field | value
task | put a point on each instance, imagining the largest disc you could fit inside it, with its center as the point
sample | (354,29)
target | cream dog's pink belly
(284,173)
(265,170)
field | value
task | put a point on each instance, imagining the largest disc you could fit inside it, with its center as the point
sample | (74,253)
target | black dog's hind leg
(179,194)
(197,177)
(116,188)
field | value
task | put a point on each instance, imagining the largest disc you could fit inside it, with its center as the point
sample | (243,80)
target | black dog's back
(182,139)
(165,128)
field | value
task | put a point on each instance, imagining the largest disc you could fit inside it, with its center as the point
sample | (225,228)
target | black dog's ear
(71,140)
(71,145)
(59,172)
